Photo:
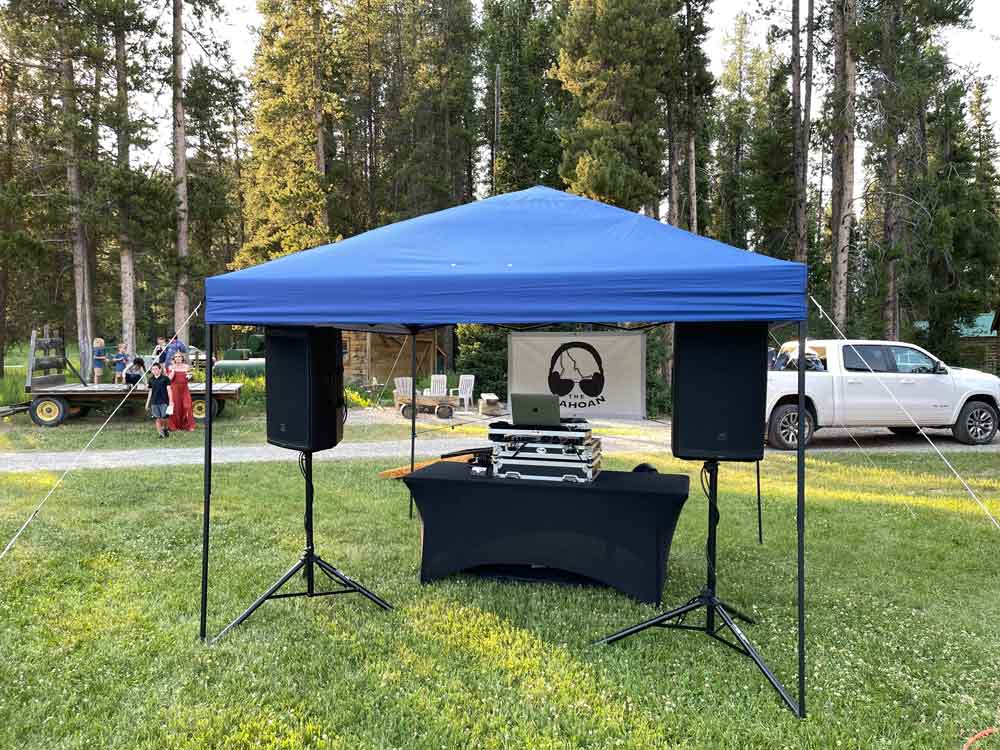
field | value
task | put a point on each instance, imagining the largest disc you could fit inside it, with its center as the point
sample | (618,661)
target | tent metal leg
(209,348)
(800,517)
(760,512)
(413,408)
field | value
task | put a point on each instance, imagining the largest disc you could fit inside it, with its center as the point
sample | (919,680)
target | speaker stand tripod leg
(752,653)
(263,597)
(653,622)
(350,583)
(735,612)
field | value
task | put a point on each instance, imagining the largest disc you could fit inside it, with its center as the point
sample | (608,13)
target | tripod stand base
(712,605)
(347,586)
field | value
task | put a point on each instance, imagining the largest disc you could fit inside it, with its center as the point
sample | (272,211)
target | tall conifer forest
(838,132)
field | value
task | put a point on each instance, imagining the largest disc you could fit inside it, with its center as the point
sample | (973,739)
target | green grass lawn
(99,617)
(237,426)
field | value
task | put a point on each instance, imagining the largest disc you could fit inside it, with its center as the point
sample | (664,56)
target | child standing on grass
(100,359)
(159,399)
(120,361)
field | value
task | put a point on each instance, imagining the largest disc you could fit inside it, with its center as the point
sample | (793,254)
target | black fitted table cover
(616,530)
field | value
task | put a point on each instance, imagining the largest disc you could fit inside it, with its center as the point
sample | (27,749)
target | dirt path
(873,441)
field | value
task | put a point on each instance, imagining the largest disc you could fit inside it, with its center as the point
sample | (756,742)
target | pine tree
(285,191)
(770,181)
(613,59)
(518,42)
(732,209)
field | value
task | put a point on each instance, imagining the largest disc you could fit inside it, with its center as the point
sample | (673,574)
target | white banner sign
(594,374)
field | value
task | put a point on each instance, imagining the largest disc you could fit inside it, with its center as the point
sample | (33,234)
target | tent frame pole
(800,517)
(413,405)
(209,351)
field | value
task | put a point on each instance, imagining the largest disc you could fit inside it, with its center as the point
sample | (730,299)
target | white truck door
(928,396)
(863,400)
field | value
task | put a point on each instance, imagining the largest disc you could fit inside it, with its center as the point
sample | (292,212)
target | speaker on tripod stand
(304,373)
(719,394)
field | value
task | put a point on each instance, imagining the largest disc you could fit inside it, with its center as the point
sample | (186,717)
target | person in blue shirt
(120,361)
(165,351)
(100,359)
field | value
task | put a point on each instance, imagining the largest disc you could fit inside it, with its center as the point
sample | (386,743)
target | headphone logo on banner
(576,375)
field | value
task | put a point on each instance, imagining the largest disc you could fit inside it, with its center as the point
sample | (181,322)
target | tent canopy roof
(533,256)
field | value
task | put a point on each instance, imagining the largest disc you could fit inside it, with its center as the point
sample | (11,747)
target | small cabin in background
(978,343)
(379,356)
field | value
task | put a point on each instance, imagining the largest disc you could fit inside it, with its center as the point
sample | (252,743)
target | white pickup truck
(841,391)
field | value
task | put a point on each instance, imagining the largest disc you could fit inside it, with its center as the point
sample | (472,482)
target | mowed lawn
(99,618)
(233,427)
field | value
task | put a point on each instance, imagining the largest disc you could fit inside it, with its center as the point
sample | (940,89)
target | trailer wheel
(444,411)
(49,411)
(199,410)
(407,411)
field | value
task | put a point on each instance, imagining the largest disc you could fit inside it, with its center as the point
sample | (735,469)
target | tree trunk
(318,120)
(181,299)
(890,180)
(890,305)
(674,138)
(126,261)
(692,184)
(842,158)
(241,226)
(78,235)
(801,119)
(6,176)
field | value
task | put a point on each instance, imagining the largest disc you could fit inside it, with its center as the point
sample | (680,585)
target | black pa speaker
(304,371)
(719,390)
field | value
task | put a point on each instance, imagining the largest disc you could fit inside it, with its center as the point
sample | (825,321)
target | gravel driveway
(644,436)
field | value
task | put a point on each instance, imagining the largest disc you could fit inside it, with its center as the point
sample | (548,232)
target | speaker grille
(304,374)
(719,391)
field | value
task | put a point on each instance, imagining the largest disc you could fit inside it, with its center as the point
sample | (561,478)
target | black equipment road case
(567,453)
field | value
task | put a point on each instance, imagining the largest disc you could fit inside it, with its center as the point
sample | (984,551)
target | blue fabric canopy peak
(534,256)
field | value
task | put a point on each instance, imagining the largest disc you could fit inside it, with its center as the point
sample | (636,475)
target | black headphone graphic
(592,385)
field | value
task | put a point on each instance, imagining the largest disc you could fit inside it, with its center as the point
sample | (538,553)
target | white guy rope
(909,416)
(76,458)
(378,399)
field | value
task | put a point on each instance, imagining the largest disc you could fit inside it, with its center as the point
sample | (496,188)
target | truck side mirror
(939,368)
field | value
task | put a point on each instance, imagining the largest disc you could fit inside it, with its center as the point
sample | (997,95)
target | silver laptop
(534,409)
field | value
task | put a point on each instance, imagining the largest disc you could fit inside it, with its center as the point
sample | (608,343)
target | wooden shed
(979,345)
(379,356)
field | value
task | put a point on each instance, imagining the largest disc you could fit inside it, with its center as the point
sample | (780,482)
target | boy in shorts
(120,361)
(159,398)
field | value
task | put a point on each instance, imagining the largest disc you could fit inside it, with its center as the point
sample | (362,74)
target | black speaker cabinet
(719,390)
(304,370)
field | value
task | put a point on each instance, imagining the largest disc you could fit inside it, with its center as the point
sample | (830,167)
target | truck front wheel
(977,424)
(783,429)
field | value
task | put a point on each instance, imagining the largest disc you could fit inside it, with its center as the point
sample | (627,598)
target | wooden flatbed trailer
(441,406)
(53,400)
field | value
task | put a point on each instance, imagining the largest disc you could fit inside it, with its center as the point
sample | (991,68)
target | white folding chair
(466,383)
(439,386)
(404,388)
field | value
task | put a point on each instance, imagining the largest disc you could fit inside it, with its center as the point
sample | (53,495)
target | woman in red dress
(183,416)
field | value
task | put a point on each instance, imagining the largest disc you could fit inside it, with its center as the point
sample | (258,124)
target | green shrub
(12,388)
(482,351)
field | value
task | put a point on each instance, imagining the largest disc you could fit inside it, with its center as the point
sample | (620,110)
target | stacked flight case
(567,453)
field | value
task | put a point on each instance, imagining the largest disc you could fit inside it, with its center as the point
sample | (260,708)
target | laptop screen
(534,409)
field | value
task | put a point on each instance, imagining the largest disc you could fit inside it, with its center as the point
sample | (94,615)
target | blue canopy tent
(534,256)
(531,257)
